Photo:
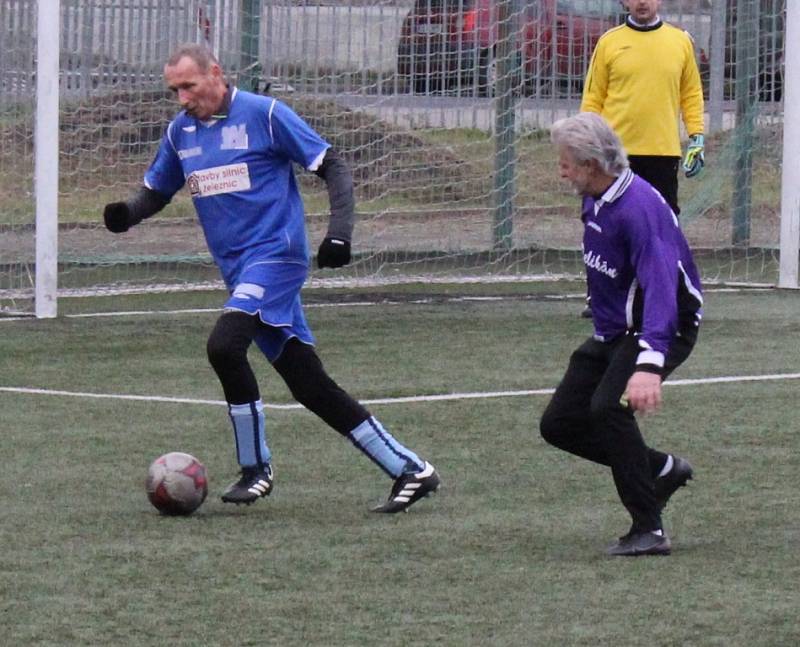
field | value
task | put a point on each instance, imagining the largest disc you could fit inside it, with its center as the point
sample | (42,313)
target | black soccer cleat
(254,483)
(667,485)
(636,544)
(410,488)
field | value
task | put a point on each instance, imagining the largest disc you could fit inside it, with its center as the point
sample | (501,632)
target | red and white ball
(177,483)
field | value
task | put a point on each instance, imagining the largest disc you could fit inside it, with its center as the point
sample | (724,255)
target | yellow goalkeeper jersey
(641,80)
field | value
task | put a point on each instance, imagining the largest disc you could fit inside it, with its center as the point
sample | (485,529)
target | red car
(451,45)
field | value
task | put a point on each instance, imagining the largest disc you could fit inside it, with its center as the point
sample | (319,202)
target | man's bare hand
(644,392)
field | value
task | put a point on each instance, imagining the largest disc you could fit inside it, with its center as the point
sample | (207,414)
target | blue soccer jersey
(238,168)
(639,268)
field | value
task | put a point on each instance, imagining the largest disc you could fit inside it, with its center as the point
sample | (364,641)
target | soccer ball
(176,483)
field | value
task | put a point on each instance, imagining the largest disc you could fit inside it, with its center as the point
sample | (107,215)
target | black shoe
(254,483)
(668,484)
(641,543)
(410,488)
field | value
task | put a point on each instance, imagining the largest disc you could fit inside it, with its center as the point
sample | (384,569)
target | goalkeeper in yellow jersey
(642,77)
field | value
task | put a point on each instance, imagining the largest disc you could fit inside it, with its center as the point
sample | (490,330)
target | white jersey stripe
(689,285)
(269,118)
(629,303)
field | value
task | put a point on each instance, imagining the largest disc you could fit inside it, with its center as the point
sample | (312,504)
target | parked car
(451,45)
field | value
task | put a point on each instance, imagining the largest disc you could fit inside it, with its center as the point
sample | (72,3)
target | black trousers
(585,417)
(662,172)
(298,365)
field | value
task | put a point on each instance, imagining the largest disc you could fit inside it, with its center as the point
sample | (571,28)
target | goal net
(440,107)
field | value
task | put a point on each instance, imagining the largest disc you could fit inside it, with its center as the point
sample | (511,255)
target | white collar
(617,188)
(652,23)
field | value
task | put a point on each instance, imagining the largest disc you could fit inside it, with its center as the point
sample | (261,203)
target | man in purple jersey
(234,150)
(646,310)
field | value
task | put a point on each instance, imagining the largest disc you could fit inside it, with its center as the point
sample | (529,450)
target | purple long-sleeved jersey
(640,271)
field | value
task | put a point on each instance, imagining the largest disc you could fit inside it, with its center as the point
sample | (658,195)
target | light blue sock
(249,429)
(384,450)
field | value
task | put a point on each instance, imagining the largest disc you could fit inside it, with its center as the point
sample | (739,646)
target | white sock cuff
(667,466)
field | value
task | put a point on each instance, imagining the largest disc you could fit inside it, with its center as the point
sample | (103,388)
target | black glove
(333,252)
(117,216)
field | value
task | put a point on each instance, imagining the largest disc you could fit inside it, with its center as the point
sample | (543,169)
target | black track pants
(298,365)
(585,417)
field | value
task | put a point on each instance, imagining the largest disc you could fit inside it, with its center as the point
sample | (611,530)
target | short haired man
(646,310)
(234,150)
(642,78)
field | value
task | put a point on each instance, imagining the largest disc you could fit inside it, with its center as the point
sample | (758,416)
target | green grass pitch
(509,553)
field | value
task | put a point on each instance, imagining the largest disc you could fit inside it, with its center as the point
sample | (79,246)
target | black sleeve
(144,204)
(337,176)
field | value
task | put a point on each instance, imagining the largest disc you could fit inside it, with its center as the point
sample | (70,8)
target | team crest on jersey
(193,184)
(234,137)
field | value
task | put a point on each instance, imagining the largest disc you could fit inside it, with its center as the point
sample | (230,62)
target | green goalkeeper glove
(695,160)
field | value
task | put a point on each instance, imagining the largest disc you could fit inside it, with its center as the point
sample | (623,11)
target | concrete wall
(340,38)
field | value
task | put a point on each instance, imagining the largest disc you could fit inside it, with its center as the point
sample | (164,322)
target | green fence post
(505,126)
(249,66)
(746,105)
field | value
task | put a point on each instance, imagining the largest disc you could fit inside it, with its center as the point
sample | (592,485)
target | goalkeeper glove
(118,217)
(333,252)
(695,160)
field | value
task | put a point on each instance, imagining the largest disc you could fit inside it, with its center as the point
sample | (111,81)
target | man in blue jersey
(646,310)
(234,150)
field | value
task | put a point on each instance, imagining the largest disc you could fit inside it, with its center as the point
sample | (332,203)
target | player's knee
(222,350)
(549,427)
(307,387)
(301,369)
(305,394)
(228,343)
(216,350)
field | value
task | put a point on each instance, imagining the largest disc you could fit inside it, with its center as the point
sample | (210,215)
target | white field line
(401,400)
(193,311)
(360,304)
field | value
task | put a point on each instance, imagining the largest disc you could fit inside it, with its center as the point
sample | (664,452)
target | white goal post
(46,163)
(790,180)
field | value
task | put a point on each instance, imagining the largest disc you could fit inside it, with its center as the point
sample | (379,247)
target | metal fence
(358,49)
(380,80)
(106,44)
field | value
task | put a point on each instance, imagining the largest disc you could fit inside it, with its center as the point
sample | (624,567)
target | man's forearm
(339,180)
(144,204)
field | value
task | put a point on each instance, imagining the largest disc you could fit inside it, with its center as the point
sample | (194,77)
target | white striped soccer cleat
(410,488)
(254,483)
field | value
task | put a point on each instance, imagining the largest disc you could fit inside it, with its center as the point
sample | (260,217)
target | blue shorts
(271,290)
